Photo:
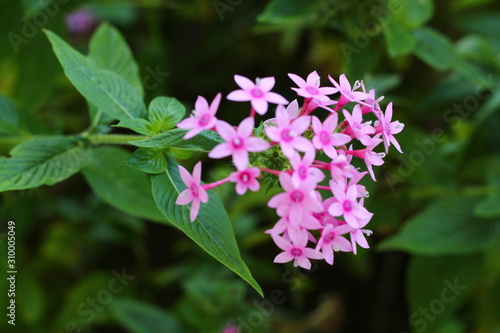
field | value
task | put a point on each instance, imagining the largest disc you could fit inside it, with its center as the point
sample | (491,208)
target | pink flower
(357,127)
(302,170)
(292,111)
(288,133)
(346,205)
(238,142)
(331,240)
(324,137)
(246,179)
(257,93)
(203,117)
(194,193)
(348,93)
(311,88)
(358,237)
(369,156)
(296,251)
(388,128)
(296,201)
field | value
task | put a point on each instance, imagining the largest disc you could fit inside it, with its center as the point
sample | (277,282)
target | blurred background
(433,266)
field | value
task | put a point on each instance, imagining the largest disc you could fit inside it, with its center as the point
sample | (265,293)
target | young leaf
(211,230)
(400,40)
(41,161)
(105,89)
(122,187)
(446,226)
(205,141)
(141,317)
(148,160)
(165,113)
(141,126)
(109,50)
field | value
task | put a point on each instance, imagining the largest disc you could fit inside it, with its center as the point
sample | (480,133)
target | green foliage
(446,226)
(42,161)
(203,142)
(211,230)
(141,317)
(103,88)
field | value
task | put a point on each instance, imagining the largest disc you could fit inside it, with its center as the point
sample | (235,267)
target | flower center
(325,137)
(194,190)
(347,205)
(245,177)
(237,142)
(256,92)
(296,252)
(329,238)
(204,120)
(312,90)
(287,135)
(297,196)
(302,172)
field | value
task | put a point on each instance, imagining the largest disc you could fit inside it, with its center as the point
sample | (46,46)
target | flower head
(194,193)
(203,117)
(310,88)
(238,142)
(258,93)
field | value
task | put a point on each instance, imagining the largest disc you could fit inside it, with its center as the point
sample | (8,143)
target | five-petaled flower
(194,193)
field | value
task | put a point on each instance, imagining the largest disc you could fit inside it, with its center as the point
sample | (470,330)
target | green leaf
(205,141)
(148,160)
(122,187)
(437,286)
(105,89)
(41,161)
(141,317)
(211,230)
(141,126)
(446,226)
(165,113)
(488,207)
(435,49)
(400,40)
(9,117)
(413,14)
(109,50)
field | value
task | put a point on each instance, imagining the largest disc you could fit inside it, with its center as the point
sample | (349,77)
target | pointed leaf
(205,141)
(211,230)
(109,50)
(105,89)
(165,113)
(42,161)
(124,188)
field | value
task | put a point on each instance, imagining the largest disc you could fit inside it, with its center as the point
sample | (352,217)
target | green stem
(115,139)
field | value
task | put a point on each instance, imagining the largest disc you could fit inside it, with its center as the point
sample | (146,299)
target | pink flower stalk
(324,137)
(296,201)
(296,251)
(246,179)
(194,193)
(238,142)
(357,128)
(288,133)
(369,156)
(332,240)
(258,93)
(203,117)
(346,205)
(348,93)
(388,128)
(310,88)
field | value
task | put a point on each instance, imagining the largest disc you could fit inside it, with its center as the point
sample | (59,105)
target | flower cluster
(321,208)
